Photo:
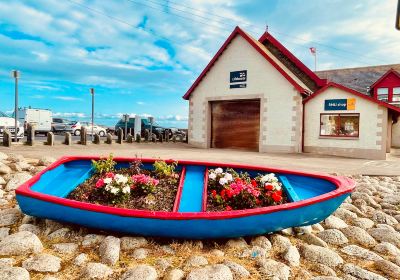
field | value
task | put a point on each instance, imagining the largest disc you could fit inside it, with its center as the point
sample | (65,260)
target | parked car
(40,118)
(6,122)
(77,126)
(145,124)
(61,125)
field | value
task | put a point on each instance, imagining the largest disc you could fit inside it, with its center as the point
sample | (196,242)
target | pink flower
(110,175)
(100,183)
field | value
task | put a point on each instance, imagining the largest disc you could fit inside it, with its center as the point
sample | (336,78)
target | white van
(6,122)
(40,118)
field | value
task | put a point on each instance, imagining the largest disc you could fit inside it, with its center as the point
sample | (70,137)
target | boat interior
(192,191)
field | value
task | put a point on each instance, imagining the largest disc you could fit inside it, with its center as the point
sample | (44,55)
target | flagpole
(315,61)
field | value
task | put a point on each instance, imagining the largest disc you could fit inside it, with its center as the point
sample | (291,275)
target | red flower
(110,175)
(214,193)
(238,180)
(223,193)
(229,193)
(276,197)
(99,183)
(279,192)
(228,208)
(269,187)
(254,183)
(258,202)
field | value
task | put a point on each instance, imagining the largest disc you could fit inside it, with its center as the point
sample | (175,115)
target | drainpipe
(302,129)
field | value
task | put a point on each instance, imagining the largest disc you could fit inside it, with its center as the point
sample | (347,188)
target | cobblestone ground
(361,240)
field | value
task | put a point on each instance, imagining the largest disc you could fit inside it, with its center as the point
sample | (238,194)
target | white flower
(126,189)
(218,170)
(277,187)
(223,181)
(108,188)
(228,177)
(212,176)
(107,181)
(120,179)
(114,190)
(264,179)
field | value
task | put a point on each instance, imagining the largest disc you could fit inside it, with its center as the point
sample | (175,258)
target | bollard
(129,138)
(30,135)
(83,136)
(146,135)
(166,135)
(6,138)
(50,139)
(186,139)
(174,138)
(120,135)
(108,139)
(153,138)
(96,139)
(68,138)
(161,139)
(138,138)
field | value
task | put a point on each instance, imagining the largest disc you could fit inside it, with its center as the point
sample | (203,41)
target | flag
(313,50)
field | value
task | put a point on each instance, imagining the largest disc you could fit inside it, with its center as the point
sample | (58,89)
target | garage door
(235,124)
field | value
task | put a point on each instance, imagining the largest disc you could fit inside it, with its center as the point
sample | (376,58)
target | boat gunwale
(343,185)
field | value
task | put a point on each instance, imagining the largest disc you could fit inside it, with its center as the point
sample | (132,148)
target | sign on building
(238,79)
(340,104)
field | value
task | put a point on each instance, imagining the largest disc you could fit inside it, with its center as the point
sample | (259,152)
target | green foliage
(104,165)
(163,169)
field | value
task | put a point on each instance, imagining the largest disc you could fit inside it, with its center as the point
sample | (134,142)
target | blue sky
(141,56)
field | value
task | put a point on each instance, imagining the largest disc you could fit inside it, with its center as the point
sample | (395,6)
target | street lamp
(92,93)
(15,75)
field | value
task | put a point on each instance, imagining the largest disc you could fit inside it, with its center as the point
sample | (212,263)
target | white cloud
(66,98)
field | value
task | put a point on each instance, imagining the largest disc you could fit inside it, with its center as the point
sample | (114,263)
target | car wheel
(77,132)
(102,133)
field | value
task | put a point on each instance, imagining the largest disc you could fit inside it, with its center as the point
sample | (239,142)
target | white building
(256,95)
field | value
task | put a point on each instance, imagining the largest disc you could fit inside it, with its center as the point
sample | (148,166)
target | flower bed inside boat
(231,190)
(134,187)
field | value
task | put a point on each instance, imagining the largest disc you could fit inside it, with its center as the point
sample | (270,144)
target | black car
(145,124)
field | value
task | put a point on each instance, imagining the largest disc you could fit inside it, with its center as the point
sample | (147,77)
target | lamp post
(15,75)
(92,93)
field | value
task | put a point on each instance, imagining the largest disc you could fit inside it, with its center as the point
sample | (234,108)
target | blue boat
(312,198)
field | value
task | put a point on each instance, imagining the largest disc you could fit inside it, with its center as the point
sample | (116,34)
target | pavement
(182,151)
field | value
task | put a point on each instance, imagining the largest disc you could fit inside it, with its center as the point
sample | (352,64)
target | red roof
(352,91)
(390,71)
(268,37)
(257,46)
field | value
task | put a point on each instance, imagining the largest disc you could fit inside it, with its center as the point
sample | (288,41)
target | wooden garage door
(235,124)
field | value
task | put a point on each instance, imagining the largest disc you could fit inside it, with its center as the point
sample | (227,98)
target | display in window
(339,125)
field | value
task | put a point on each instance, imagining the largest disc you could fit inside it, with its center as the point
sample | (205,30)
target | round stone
(218,271)
(333,237)
(140,272)
(42,263)
(20,243)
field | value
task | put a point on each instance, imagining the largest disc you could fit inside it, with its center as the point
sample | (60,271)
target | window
(383,94)
(340,125)
(396,94)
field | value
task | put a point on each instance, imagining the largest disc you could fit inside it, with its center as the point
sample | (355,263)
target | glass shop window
(340,125)
(383,94)
(396,94)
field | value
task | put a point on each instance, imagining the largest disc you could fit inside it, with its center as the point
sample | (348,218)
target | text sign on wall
(340,104)
(238,79)
(239,76)
(238,85)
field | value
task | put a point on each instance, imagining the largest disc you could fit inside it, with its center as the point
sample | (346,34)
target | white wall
(396,134)
(372,123)
(279,99)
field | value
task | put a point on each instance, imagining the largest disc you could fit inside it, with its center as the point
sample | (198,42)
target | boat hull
(184,228)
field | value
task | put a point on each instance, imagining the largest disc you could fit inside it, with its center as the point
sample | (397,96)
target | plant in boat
(134,187)
(165,170)
(104,165)
(116,187)
(229,190)
(144,183)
